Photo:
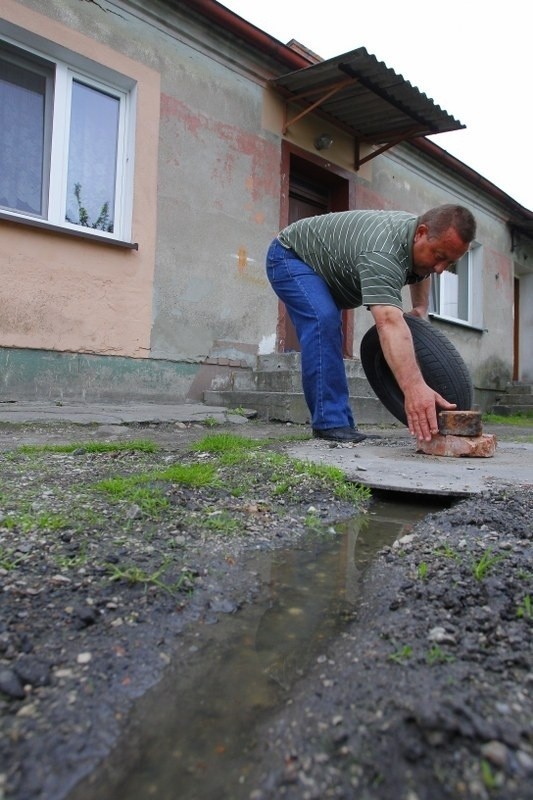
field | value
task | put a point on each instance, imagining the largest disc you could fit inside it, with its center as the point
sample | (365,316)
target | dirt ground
(425,695)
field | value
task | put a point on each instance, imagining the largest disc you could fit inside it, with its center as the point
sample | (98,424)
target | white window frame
(59,88)
(471,267)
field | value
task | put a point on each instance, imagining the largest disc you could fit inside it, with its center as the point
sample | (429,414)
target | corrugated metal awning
(366,98)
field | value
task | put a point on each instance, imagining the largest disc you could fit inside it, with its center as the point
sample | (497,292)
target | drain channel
(192,735)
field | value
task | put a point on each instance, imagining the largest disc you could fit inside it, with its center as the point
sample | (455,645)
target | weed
(282,487)
(225,442)
(525,609)
(233,457)
(49,521)
(422,571)
(135,446)
(402,655)
(313,522)
(232,449)
(485,564)
(222,522)
(210,422)
(27,521)
(240,411)
(513,419)
(142,490)
(9,561)
(447,551)
(150,501)
(436,655)
(488,776)
(72,561)
(135,575)
(187,474)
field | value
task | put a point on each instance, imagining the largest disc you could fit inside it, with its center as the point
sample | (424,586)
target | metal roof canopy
(366,98)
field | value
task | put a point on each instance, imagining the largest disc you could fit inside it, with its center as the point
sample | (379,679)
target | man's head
(442,237)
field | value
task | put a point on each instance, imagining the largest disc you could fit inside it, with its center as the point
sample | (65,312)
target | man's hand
(420,400)
(421,404)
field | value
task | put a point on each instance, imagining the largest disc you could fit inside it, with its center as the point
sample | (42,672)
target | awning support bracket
(296,98)
(358,161)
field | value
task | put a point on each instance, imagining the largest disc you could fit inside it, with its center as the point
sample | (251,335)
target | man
(320,265)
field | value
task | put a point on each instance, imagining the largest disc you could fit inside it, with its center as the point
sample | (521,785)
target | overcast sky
(472,58)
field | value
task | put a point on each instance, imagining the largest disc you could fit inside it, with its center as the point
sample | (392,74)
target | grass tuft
(135,446)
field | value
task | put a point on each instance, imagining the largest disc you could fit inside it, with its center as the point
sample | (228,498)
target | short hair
(439,219)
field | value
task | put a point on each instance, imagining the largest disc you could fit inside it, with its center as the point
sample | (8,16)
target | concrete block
(483,446)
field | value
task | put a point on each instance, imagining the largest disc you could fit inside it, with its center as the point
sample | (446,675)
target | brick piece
(460,423)
(483,446)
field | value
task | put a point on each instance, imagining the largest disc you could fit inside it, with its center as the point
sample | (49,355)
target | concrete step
(519,388)
(516,399)
(291,406)
(292,382)
(273,387)
(507,410)
(281,372)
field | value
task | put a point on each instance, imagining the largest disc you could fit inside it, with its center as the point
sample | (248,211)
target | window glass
(92,160)
(456,294)
(22,130)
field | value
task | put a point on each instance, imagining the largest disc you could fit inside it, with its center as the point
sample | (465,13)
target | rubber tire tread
(441,364)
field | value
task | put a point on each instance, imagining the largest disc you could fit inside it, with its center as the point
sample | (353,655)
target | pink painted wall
(62,293)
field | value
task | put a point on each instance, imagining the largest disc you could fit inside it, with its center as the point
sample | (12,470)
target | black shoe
(348,435)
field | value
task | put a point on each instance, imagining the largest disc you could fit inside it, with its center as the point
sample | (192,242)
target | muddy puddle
(192,736)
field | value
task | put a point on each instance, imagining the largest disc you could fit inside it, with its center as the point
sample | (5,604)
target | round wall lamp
(324,141)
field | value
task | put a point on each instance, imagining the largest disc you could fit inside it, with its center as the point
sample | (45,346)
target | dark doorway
(516,331)
(313,189)
(306,199)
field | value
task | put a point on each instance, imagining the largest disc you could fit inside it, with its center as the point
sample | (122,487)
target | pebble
(404,540)
(84,658)
(525,760)
(33,671)
(60,579)
(29,710)
(441,635)
(11,685)
(495,752)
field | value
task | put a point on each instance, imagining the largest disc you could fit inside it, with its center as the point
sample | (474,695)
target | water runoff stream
(193,733)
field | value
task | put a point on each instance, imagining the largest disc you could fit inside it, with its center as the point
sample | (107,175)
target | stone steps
(517,399)
(273,389)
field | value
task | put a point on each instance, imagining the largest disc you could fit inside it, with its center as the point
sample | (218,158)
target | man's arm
(420,298)
(420,400)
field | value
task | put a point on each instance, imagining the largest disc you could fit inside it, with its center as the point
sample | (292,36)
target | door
(516,331)
(305,200)
(313,190)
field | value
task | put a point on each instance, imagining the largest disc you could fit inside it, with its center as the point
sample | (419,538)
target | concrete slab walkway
(15,412)
(400,468)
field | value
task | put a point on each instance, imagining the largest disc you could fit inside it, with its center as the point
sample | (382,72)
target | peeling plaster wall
(218,209)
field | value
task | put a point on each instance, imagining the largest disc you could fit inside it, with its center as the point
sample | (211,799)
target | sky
(471,57)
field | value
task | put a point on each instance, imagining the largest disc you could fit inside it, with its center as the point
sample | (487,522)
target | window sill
(46,226)
(459,323)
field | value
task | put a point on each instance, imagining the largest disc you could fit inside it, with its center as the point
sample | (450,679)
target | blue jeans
(318,323)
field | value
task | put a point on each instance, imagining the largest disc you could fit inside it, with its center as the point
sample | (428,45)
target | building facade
(151,151)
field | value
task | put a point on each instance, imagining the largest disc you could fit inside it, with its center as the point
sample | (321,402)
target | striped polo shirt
(364,256)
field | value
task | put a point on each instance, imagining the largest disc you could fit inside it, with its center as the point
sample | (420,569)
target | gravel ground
(426,695)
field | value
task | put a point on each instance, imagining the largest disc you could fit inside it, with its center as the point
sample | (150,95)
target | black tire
(441,365)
